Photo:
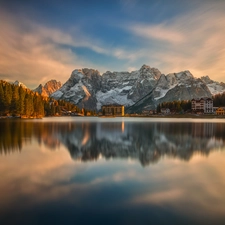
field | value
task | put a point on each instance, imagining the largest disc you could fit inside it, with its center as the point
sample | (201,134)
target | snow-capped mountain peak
(148,72)
(207,80)
(144,88)
(20,84)
(214,86)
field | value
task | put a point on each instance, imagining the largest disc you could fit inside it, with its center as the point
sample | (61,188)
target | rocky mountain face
(87,88)
(138,90)
(174,86)
(214,86)
(81,88)
(20,84)
(49,88)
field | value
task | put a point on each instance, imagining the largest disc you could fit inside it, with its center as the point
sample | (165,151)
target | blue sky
(46,39)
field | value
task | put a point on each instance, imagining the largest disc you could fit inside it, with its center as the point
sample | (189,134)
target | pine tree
(158,108)
(21,101)
(29,107)
(7,97)
(52,112)
(2,99)
(47,108)
(14,107)
(38,106)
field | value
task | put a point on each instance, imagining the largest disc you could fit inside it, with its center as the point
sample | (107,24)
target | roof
(199,99)
(112,105)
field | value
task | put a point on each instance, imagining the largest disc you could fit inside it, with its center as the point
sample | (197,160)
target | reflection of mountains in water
(144,141)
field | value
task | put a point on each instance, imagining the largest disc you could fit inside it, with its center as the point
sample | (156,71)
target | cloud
(159,197)
(26,56)
(33,53)
(130,55)
(191,41)
(158,32)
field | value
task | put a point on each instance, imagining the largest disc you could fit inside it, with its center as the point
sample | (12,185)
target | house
(220,111)
(145,112)
(214,109)
(204,105)
(148,112)
(165,110)
(113,110)
(151,112)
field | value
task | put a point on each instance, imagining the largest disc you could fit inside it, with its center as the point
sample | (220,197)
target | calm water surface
(112,171)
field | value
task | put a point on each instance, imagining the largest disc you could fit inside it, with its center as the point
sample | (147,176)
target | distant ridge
(49,88)
(138,90)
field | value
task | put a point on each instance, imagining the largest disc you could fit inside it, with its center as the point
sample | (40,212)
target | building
(147,112)
(214,109)
(202,105)
(113,110)
(165,110)
(220,111)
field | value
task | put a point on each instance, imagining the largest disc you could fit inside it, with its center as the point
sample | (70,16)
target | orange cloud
(35,54)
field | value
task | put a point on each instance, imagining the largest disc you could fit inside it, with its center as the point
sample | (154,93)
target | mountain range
(138,90)
(49,88)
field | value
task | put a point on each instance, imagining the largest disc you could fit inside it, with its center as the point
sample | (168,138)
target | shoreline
(193,116)
(183,116)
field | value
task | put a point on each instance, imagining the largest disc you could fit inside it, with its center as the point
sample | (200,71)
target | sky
(48,39)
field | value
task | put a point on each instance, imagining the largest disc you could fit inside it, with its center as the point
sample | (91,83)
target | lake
(84,170)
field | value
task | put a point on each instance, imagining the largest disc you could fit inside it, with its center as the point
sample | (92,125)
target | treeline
(18,101)
(219,100)
(175,106)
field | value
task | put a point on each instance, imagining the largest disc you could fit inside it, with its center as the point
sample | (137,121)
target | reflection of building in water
(113,138)
(147,142)
(113,110)
(203,130)
(113,132)
(204,105)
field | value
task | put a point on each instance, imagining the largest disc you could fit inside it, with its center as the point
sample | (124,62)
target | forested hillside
(219,100)
(175,106)
(18,101)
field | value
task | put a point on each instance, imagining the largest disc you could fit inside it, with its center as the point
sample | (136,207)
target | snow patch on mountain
(214,86)
(114,96)
(57,95)
(162,92)
(215,89)
(170,81)
(140,88)
(17,83)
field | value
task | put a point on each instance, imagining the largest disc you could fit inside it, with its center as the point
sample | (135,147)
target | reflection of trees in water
(183,140)
(147,142)
(13,134)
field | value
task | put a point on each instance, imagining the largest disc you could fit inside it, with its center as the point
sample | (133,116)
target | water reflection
(41,185)
(88,140)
